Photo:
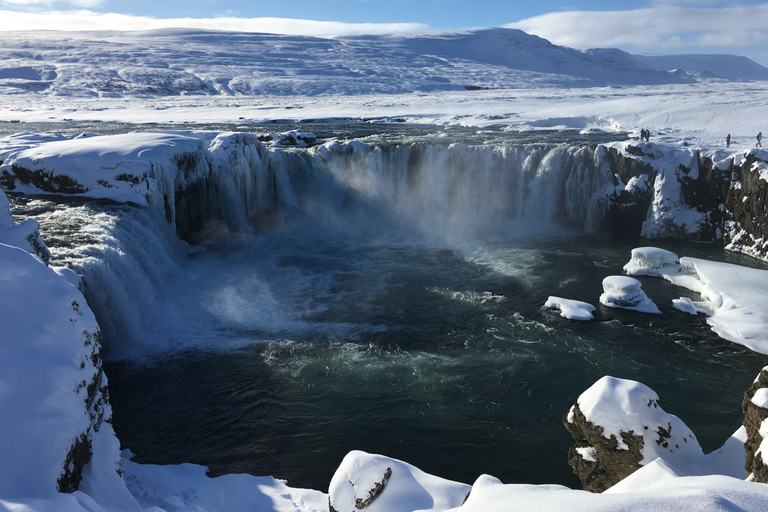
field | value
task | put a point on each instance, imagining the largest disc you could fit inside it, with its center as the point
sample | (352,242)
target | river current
(278,350)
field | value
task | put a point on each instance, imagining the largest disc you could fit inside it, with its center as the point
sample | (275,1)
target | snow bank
(130,167)
(677,493)
(52,390)
(571,309)
(624,292)
(186,487)
(380,484)
(734,297)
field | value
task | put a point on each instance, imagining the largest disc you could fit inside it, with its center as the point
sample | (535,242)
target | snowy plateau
(63,93)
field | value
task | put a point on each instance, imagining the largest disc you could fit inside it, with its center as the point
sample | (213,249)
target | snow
(624,292)
(571,309)
(357,484)
(158,77)
(760,398)
(734,297)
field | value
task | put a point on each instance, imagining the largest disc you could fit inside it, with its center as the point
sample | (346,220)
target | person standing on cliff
(759,138)
(728,141)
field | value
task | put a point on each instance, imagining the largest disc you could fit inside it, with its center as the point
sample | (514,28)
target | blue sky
(644,26)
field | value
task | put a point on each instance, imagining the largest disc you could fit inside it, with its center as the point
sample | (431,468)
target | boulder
(375,483)
(625,293)
(619,427)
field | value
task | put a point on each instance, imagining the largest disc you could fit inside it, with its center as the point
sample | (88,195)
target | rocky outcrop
(629,202)
(597,460)
(665,192)
(618,427)
(747,206)
(755,406)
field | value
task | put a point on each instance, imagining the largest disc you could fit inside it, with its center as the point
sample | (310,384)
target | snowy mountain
(197,62)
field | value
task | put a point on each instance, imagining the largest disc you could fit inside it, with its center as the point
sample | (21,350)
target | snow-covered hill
(197,62)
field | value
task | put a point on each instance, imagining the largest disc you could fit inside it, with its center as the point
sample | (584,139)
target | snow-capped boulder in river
(571,309)
(652,261)
(626,293)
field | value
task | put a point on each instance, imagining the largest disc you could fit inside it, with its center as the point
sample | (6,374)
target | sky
(642,26)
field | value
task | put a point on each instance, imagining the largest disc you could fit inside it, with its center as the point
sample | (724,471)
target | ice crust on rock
(571,309)
(625,293)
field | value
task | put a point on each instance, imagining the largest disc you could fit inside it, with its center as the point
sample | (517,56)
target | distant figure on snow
(759,138)
(728,141)
(647,135)
(644,134)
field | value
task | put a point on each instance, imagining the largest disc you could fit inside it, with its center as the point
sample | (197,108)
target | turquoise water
(442,357)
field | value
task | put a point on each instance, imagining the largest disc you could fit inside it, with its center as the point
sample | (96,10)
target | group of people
(646,134)
(758,145)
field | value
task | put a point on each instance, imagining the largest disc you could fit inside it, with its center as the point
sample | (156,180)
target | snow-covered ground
(519,81)
(187,77)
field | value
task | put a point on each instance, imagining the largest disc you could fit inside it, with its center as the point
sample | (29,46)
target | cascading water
(389,299)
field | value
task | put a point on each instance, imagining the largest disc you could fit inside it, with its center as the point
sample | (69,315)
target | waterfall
(134,265)
(456,188)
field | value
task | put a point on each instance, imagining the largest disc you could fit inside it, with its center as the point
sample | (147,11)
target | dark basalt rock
(628,210)
(44,180)
(611,464)
(747,204)
(753,418)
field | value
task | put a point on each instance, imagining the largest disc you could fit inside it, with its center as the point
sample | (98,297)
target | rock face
(597,460)
(664,192)
(755,406)
(747,203)
(618,427)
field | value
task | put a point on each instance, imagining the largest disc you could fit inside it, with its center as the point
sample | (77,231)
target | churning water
(393,304)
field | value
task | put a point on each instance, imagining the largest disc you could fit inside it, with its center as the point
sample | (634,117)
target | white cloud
(85,4)
(86,20)
(661,26)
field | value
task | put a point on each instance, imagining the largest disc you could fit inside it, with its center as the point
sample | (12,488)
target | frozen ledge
(734,297)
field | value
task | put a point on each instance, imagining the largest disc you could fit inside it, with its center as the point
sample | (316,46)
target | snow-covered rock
(625,293)
(379,484)
(619,427)
(571,309)
(732,296)
(55,413)
(652,261)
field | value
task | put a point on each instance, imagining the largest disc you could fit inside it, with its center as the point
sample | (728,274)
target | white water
(150,299)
